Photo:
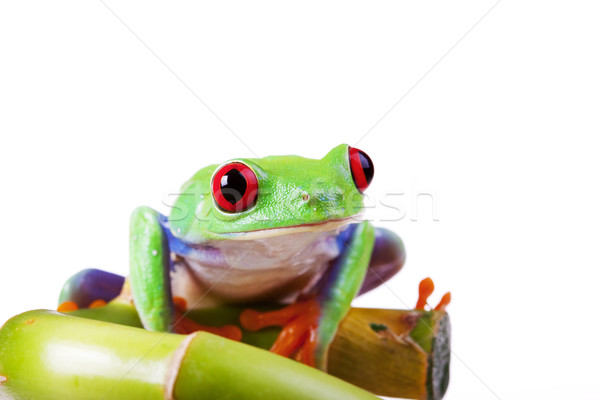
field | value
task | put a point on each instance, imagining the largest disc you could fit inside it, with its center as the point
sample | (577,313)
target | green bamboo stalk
(53,356)
(396,353)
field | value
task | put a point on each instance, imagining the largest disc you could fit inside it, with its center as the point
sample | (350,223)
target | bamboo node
(175,365)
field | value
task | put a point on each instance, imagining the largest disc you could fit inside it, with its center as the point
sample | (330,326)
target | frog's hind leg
(89,287)
(387,259)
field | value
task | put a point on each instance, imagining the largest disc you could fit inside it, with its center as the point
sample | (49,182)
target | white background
(500,126)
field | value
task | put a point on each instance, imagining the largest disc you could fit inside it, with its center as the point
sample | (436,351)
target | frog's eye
(234,187)
(361,167)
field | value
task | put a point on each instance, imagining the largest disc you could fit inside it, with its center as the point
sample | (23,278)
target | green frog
(279,229)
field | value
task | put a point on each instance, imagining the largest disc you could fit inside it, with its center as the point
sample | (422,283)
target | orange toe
(180,303)
(425,290)
(97,303)
(306,354)
(185,326)
(253,320)
(444,302)
(68,306)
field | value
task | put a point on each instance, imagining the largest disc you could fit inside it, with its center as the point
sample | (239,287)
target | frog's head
(257,198)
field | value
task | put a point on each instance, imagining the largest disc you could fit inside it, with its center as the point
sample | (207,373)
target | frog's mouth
(325,226)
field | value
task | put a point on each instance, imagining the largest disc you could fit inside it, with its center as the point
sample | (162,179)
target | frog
(283,230)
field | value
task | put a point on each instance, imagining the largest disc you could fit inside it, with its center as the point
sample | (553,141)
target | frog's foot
(72,306)
(426,288)
(299,334)
(185,326)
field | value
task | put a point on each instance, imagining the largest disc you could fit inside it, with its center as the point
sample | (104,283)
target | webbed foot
(298,337)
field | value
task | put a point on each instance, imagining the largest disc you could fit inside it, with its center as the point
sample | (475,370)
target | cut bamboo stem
(399,353)
(394,353)
(53,356)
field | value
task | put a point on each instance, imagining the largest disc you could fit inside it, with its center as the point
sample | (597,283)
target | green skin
(282,180)
(295,196)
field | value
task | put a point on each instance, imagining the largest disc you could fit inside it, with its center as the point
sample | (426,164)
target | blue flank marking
(328,286)
(204,254)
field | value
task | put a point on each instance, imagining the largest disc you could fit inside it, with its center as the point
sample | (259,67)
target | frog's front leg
(149,270)
(150,279)
(310,326)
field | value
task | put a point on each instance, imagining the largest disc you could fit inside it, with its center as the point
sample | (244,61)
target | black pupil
(367,166)
(233,186)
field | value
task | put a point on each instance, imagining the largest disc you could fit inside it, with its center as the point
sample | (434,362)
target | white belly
(277,268)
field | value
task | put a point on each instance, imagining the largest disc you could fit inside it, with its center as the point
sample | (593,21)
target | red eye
(235,187)
(361,167)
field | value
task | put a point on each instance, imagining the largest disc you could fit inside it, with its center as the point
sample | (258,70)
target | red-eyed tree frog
(279,229)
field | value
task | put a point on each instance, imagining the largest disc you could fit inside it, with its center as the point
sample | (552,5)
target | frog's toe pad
(426,288)
(67,306)
(97,303)
(299,322)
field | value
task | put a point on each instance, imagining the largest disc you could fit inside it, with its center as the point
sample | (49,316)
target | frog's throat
(274,232)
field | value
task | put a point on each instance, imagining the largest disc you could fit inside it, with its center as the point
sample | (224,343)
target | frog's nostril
(305,197)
